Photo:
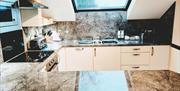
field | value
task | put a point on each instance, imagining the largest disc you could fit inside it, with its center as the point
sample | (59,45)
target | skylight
(99,5)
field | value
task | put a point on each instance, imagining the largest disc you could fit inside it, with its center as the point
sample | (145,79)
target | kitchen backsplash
(166,27)
(102,24)
(86,24)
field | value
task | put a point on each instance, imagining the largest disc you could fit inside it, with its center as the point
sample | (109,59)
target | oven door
(9,17)
(12,44)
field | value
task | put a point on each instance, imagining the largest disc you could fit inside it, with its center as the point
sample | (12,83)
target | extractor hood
(7,3)
(31,4)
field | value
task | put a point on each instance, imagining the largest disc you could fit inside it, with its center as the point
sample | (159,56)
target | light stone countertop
(23,77)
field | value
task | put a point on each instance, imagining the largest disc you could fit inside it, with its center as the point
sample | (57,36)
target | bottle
(120,34)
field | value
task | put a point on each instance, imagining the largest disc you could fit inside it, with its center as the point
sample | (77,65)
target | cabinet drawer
(135,58)
(136,49)
(135,68)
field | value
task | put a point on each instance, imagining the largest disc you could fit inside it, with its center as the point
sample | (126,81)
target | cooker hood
(31,4)
(7,3)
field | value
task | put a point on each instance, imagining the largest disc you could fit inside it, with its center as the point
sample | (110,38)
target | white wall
(148,9)
(176,30)
(60,10)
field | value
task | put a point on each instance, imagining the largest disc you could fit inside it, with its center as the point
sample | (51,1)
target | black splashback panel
(166,27)
(12,44)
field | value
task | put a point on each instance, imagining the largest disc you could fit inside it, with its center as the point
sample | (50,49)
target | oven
(50,64)
(9,15)
(12,44)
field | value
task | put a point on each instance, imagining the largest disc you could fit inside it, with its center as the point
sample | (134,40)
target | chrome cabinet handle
(79,49)
(152,53)
(136,49)
(95,52)
(136,67)
(136,54)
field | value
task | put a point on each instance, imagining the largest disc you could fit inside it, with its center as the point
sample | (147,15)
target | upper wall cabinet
(34,17)
(32,13)
(148,9)
(60,10)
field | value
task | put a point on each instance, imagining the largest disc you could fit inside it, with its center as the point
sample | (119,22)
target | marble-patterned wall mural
(100,23)
(86,24)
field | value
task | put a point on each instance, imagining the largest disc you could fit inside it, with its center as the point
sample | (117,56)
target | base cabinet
(79,59)
(106,58)
(62,60)
(117,58)
(175,60)
(135,57)
(159,58)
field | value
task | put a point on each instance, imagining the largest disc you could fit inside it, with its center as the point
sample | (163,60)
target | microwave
(9,16)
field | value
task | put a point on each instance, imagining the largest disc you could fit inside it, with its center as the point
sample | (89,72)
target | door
(79,58)
(106,58)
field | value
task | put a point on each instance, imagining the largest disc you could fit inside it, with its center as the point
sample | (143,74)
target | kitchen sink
(85,41)
(110,41)
(104,41)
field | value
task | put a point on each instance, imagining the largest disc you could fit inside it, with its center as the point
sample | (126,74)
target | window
(100,5)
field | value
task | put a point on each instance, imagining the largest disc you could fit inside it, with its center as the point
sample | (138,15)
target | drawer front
(135,68)
(136,49)
(135,58)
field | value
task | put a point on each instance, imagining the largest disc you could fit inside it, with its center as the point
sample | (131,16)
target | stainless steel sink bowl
(110,41)
(85,41)
(103,41)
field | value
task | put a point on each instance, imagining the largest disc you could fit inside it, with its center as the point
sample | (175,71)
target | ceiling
(148,9)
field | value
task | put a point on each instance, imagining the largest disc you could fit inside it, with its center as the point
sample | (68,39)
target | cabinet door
(61,60)
(34,17)
(159,57)
(175,60)
(106,58)
(79,58)
(135,59)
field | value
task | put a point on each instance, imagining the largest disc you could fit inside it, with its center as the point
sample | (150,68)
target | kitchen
(76,45)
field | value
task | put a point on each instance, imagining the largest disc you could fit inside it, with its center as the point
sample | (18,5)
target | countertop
(23,77)
(75,43)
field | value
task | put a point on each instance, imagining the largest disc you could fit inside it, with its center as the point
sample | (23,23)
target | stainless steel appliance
(9,14)
(37,43)
(12,44)
(30,4)
(51,63)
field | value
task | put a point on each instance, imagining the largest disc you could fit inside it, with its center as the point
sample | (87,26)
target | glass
(100,4)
